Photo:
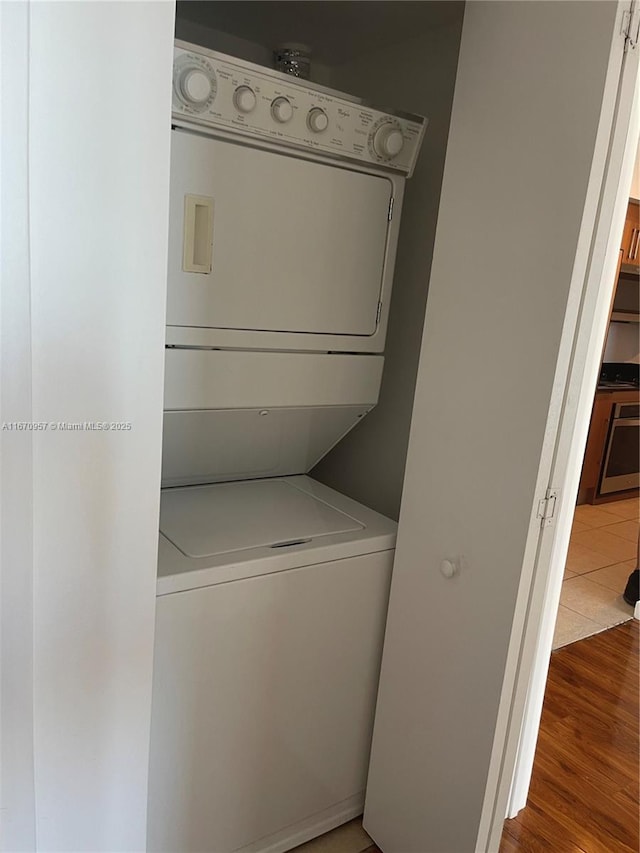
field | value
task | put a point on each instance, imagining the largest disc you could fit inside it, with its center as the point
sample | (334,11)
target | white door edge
(576,415)
(565,438)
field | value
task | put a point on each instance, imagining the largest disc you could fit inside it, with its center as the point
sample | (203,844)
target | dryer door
(265,241)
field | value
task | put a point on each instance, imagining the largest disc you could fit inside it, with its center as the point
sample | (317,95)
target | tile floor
(602,554)
(348,838)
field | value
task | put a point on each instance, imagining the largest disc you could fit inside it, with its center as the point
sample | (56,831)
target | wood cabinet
(631,237)
(597,440)
(629,260)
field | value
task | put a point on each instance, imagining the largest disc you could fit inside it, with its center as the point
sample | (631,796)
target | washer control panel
(220,91)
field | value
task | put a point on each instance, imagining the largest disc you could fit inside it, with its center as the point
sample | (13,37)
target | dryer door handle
(198,234)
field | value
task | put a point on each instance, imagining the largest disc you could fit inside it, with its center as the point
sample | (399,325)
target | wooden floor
(584,791)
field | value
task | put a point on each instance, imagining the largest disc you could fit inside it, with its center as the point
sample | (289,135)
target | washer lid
(203,521)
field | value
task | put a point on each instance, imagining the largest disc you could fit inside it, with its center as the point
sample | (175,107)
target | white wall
(635,181)
(224,42)
(235,46)
(99,113)
(418,75)
(17,798)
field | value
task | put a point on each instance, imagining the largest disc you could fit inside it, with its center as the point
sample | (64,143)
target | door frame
(577,369)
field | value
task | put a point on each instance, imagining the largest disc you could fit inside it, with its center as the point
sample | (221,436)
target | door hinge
(631,26)
(390,211)
(547,508)
(378,313)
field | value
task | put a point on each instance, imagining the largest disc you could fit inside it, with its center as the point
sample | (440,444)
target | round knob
(448,568)
(195,86)
(244,99)
(388,141)
(281,110)
(317,120)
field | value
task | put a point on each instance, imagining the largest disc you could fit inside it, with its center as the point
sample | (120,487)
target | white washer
(270,619)
(272,589)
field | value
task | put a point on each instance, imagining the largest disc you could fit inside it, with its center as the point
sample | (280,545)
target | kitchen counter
(618,395)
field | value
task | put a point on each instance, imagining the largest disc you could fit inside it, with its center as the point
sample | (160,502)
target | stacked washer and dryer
(272,588)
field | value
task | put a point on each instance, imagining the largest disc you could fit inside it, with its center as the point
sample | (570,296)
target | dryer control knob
(195,86)
(281,110)
(317,120)
(244,99)
(388,141)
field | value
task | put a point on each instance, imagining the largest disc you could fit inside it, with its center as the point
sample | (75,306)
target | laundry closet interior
(301,228)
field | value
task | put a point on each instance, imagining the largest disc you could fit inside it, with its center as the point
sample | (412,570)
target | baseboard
(311,827)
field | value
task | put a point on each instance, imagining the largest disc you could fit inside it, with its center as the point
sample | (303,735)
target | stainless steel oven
(621,469)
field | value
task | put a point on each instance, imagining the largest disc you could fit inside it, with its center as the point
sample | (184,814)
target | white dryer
(283,231)
(272,588)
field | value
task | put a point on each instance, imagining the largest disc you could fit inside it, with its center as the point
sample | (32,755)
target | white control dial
(281,110)
(388,141)
(195,85)
(317,120)
(244,99)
